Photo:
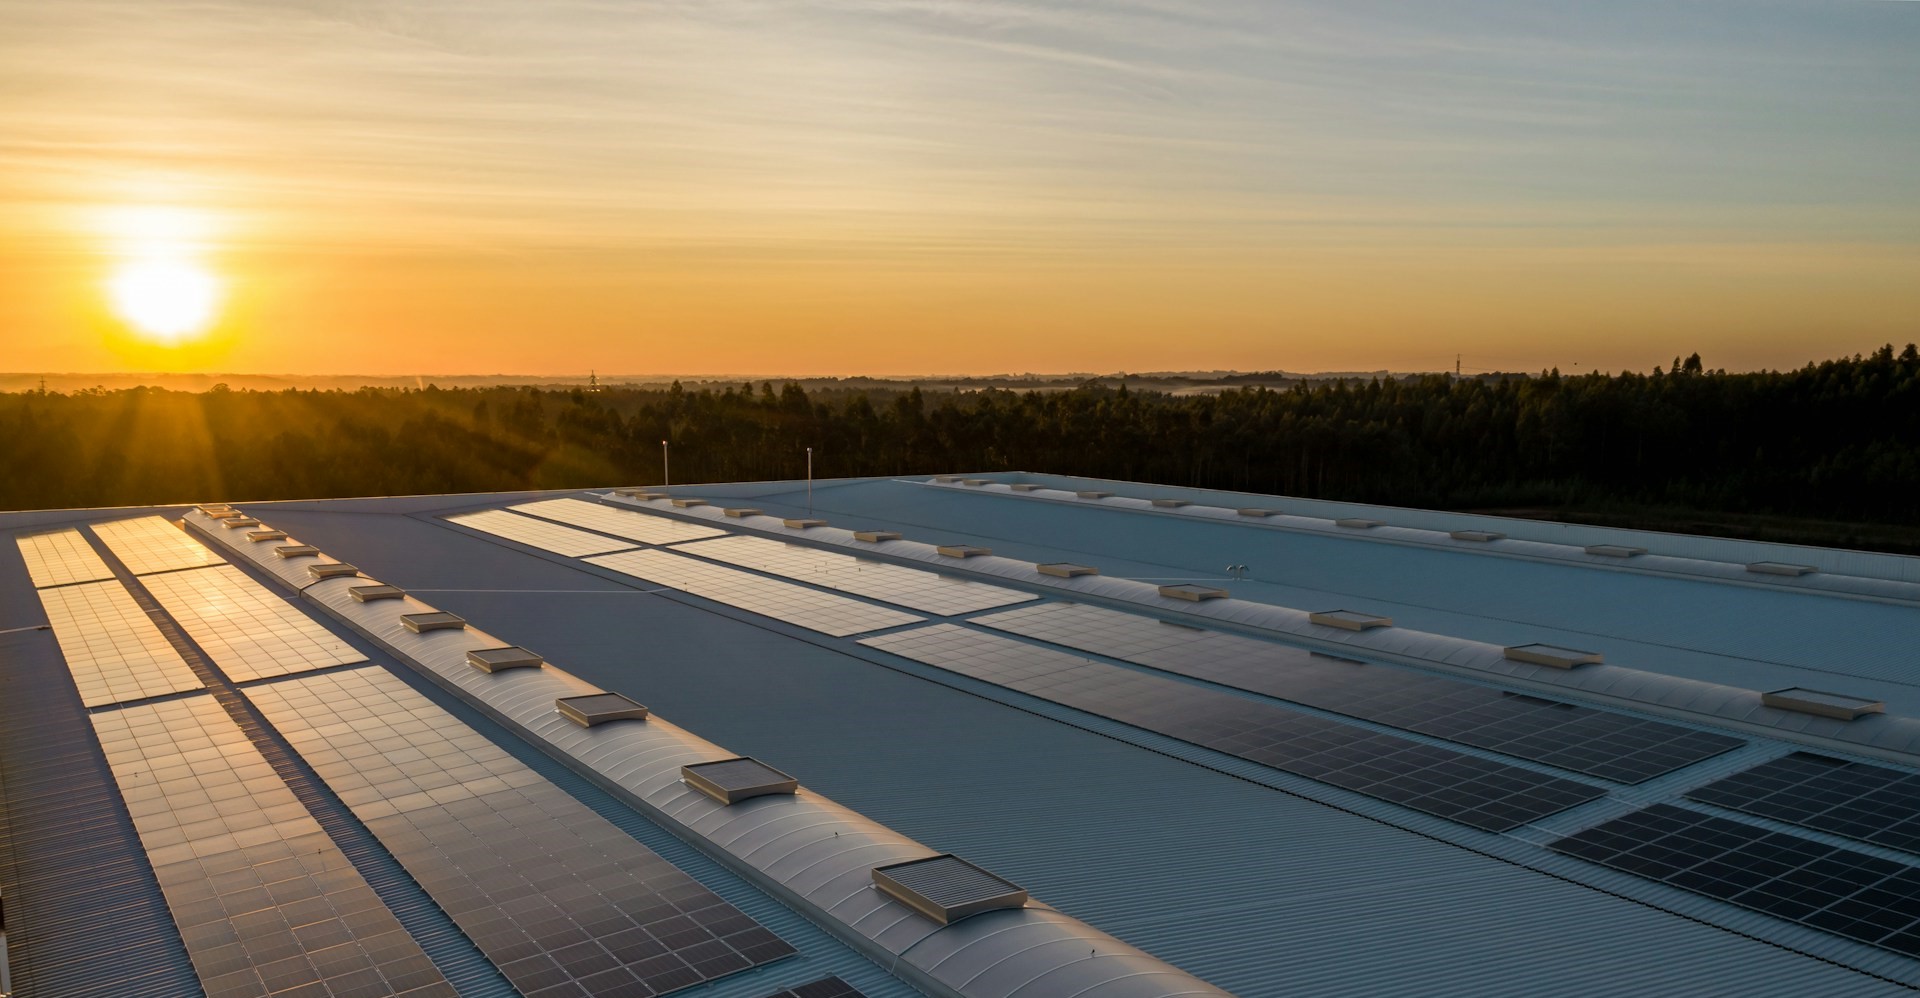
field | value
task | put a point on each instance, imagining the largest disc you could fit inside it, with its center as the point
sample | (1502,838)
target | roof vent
(742,511)
(732,780)
(1553,655)
(336,570)
(689,503)
(599,708)
(438,620)
(1171,503)
(296,551)
(257,536)
(1839,706)
(1615,550)
(1192,593)
(235,522)
(946,888)
(502,659)
(1780,568)
(876,536)
(1094,494)
(650,496)
(222,514)
(1350,620)
(946,479)
(1477,536)
(804,523)
(976,481)
(1066,569)
(1026,487)
(1356,523)
(367,594)
(962,550)
(211,508)
(1256,511)
(628,490)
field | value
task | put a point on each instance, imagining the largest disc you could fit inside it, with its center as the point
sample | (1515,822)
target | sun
(166,300)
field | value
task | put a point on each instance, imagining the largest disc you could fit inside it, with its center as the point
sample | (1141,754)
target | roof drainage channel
(808,851)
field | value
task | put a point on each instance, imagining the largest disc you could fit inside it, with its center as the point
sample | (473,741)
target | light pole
(809,481)
(666,476)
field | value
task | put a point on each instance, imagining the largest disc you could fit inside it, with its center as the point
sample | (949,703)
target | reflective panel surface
(244,627)
(537,533)
(632,525)
(151,544)
(1855,800)
(112,647)
(60,558)
(798,605)
(929,592)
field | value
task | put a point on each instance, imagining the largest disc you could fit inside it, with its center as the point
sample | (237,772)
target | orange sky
(930,187)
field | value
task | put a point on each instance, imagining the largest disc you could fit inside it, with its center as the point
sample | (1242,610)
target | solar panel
(265,900)
(537,533)
(1582,739)
(245,628)
(150,544)
(112,647)
(798,605)
(1854,800)
(929,592)
(633,526)
(548,889)
(825,987)
(1477,792)
(1847,893)
(61,558)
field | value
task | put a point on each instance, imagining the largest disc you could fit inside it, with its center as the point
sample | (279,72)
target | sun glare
(161,288)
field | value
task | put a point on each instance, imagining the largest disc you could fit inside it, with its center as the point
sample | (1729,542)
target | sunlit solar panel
(150,544)
(113,649)
(618,522)
(248,630)
(798,605)
(909,587)
(61,558)
(538,533)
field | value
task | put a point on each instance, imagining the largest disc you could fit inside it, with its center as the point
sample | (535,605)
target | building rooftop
(1548,769)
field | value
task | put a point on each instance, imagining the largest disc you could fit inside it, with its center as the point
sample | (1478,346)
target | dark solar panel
(1851,799)
(1439,781)
(1581,739)
(825,987)
(1836,890)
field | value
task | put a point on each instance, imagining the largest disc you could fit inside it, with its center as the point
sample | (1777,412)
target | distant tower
(1456,365)
(593,381)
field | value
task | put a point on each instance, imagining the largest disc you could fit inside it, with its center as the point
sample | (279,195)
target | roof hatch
(1780,568)
(1026,487)
(256,536)
(876,536)
(946,888)
(739,511)
(1477,536)
(1193,593)
(1256,511)
(367,594)
(296,551)
(1615,550)
(963,550)
(1094,494)
(502,659)
(730,781)
(1065,569)
(689,503)
(332,570)
(1553,655)
(1839,706)
(1171,503)
(1350,620)
(804,523)
(438,620)
(599,708)
(1356,523)
(236,522)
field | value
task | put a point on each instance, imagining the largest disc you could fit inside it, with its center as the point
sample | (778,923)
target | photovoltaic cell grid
(1847,893)
(618,522)
(248,630)
(1850,799)
(150,544)
(61,558)
(113,649)
(1477,792)
(798,605)
(538,533)
(928,592)
(826,987)
(561,900)
(1595,742)
(265,901)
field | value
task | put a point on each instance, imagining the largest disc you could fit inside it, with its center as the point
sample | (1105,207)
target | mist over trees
(1838,440)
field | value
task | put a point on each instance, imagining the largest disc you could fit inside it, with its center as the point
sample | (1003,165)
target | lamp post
(809,481)
(666,476)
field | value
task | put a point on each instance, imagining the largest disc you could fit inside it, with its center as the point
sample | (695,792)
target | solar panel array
(538,533)
(929,592)
(1854,800)
(826,987)
(1596,742)
(1481,793)
(552,893)
(150,544)
(61,557)
(265,901)
(625,523)
(1847,893)
(244,627)
(114,650)
(798,605)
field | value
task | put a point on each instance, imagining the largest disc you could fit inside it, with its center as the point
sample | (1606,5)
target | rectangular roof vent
(223,514)
(335,570)
(1256,511)
(732,780)
(256,536)
(1477,536)
(236,522)
(976,481)
(1171,503)
(1094,494)
(946,888)
(1615,550)
(438,620)
(738,512)
(628,490)
(1350,620)
(1839,706)
(1066,569)
(1356,523)
(1553,655)
(962,550)
(367,594)
(1780,568)
(649,496)
(296,551)
(804,523)
(599,708)
(946,479)
(876,536)
(1192,593)
(689,503)
(211,508)
(1026,487)
(502,659)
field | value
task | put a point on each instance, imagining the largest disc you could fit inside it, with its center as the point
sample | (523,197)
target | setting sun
(167,300)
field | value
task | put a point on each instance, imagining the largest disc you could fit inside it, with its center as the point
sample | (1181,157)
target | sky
(954,186)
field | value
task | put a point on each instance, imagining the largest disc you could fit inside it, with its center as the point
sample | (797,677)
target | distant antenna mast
(593,381)
(1456,365)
